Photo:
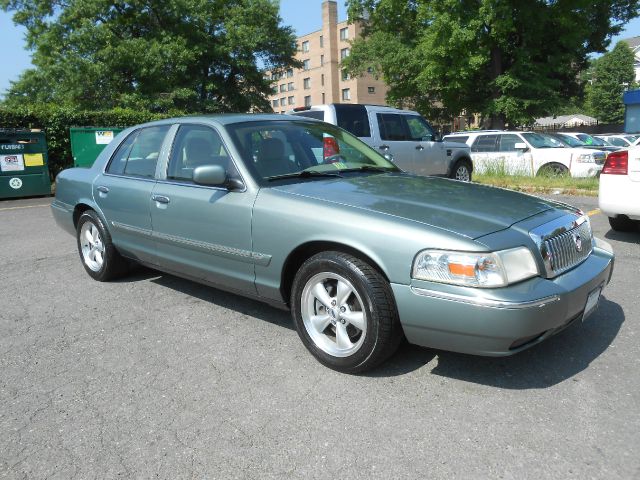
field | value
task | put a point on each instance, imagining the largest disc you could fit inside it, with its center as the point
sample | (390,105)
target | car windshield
(571,141)
(283,149)
(589,140)
(540,140)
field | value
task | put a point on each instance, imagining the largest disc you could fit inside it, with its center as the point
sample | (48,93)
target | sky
(304,15)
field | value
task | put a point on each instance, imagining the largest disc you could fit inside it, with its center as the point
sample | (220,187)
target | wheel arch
(460,157)
(82,206)
(303,252)
(550,164)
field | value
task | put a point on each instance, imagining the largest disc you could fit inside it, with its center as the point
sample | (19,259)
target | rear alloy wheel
(344,312)
(553,170)
(99,256)
(622,223)
(462,171)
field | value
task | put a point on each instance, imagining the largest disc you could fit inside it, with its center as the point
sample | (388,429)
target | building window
(345,75)
(275,102)
(323,97)
(283,102)
(283,87)
(305,64)
(344,53)
(346,94)
(344,33)
(290,73)
(305,46)
(307,101)
(290,86)
(321,60)
(306,83)
(274,89)
(321,41)
(322,80)
(371,89)
(292,100)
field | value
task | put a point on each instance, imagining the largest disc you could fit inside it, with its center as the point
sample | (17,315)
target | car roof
(228,118)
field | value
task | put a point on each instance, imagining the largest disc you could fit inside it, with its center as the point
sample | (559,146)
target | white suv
(619,197)
(528,153)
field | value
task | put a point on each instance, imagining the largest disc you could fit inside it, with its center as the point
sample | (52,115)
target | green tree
(190,55)
(510,60)
(610,76)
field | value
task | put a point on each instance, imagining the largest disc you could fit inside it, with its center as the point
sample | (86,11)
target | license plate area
(592,302)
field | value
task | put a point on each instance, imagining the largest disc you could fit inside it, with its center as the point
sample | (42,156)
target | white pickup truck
(403,136)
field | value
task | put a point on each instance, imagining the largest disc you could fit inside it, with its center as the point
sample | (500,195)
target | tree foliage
(193,55)
(609,77)
(510,60)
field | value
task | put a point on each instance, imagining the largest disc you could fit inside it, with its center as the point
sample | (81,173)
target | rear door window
(485,143)
(138,155)
(392,127)
(354,119)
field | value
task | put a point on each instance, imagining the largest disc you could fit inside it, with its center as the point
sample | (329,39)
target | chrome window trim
(486,302)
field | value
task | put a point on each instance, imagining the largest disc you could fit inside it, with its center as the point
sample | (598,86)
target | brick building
(321,79)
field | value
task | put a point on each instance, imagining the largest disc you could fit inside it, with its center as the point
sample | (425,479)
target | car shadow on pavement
(553,361)
(231,301)
(626,237)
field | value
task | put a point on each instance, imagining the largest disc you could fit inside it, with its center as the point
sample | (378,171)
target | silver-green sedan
(300,214)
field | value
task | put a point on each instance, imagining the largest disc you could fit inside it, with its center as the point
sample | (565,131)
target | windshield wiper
(303,174)
(369,168)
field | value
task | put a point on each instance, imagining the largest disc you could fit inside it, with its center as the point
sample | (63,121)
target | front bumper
(584,170)
(501,321)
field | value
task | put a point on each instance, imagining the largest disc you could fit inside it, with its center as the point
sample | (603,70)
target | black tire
(383,330)
(622,223)
(553,170)
(462,170)
(113,264)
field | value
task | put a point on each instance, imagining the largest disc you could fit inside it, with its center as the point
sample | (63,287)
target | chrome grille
(563,248)
(563,243)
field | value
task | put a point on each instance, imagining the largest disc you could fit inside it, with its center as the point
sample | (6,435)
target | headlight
(485,270)
(585,158)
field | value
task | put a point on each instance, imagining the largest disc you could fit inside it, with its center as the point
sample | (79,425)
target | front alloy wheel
(344,312)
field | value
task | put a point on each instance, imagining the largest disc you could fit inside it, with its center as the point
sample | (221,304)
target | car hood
(466,209)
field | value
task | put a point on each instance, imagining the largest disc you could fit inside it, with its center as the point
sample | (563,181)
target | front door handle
(419,147)
(384,147)
(160,199)
(103,189)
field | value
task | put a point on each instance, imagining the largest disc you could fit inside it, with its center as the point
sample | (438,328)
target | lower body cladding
(479,323)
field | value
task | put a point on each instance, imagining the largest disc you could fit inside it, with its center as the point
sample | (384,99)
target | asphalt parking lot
(155,376)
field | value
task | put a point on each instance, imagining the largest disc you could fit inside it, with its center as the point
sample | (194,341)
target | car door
(202,231)
(484,153)
(394,139)
(123,191)
(514,159)
(429,156)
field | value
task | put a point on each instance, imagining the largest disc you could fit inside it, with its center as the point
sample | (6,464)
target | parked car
(528,153)
(619,196)
(303,215)
(573,142)
(405,136)
(619,140)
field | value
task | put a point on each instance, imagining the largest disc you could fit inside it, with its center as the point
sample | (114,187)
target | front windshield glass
(571,141)
(540,140)
(272,149)
(589,140)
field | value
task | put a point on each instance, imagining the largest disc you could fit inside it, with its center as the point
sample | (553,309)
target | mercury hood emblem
(577,239)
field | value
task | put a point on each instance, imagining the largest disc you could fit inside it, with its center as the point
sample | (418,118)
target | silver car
(302,215)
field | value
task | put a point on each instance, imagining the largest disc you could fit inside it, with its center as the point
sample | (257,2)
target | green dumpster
(24,164)
(88,142)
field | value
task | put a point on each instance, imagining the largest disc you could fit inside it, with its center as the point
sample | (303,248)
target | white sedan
(620,189)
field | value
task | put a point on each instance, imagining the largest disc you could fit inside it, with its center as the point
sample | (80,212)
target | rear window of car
(138,155)
(485,143)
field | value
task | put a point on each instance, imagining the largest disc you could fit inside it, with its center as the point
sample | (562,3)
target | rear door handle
(384,147)
(103,189)
(419,147)
(160,199)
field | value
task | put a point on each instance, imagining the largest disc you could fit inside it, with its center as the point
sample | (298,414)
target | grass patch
(568,185)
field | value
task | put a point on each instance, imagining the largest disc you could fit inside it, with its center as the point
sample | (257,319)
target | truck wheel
(553,170)
(344,312)
(99,256)
(462,170)
(622,223)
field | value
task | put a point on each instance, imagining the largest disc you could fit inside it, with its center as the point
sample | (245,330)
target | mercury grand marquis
(303,215)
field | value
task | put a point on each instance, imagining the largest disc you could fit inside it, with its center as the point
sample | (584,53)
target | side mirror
(211,175)
(521,146)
